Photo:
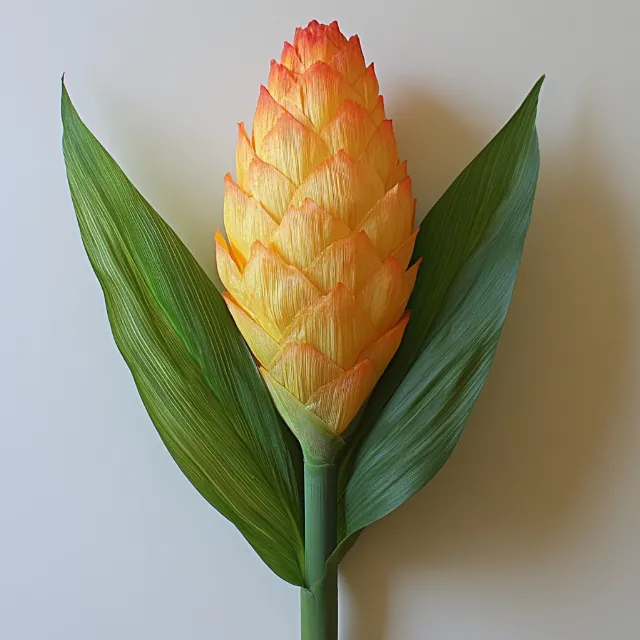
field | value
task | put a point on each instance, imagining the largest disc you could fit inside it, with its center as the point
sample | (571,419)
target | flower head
(320,223)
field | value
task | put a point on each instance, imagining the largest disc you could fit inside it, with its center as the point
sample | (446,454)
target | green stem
(319,601)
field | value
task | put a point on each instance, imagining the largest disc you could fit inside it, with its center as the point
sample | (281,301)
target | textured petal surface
(398,174)
(244,155)
(279,291)
(383,293)
(322,91)
(271,187)
(303,369)
(290,59)
(305,232)
(367,87)
(351,261)
(229,273)
(381,151)
(378,111)
(349,61)
(268,112)
(245,221)
(313,46)
(404,252)
(293,149)
(338,401)
(343,187)
(335,326)
(380,352)
(320,228)
(351,129)
(390,221)
(262,345)
(281,81)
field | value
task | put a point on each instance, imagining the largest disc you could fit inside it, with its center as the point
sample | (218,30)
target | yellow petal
(350,129)
(244,155)
(312,47)
(343,187)
(381,151)
(380,352)
(390,220)
(302,369)
(335,326)
(329,31)
(349,61)
(397,174)
(272,188)
(394,315)
(293,149)
(229,273)
(296,111)
(409,282)
(304,232)
(290,59)
(404,252)
(333,31)
(322,90)
(278,290)
(262,345)
(281,81)
(378,112)
(351,261)
(338,401)
(410,277)
(245,221)
(268,112)
(383,294)
(367,87)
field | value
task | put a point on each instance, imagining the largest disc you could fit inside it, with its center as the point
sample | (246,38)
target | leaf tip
(535,91)
(64,96)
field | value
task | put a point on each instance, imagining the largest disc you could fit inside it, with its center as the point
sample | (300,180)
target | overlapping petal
(397,205)
(351,129)
(367,87)
(351,261)
(344,187)
(245,221)
(349,60)
(303,370)
(293,149)
(270,186)
(305,231)
(338,401)
(320,228)
(279,291)
(262,345)
(321,91)
(335,325)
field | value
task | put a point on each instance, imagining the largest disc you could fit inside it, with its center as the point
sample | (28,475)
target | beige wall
(531,531)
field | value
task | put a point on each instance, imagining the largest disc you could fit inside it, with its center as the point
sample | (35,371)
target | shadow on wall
(536,440)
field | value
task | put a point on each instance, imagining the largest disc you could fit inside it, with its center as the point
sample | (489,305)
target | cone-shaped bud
(320,228)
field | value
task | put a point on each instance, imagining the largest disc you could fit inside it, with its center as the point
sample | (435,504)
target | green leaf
(194,372)
(471,243)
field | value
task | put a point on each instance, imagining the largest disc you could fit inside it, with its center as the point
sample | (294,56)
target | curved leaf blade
(192,368)
(471,243)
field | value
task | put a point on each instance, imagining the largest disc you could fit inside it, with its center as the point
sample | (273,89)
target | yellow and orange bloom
(320,227)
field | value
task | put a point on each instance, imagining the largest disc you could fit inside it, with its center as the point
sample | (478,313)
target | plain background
(533,528)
